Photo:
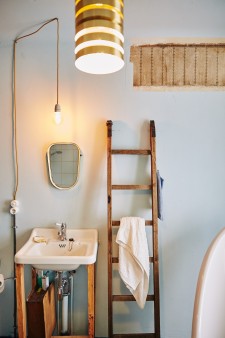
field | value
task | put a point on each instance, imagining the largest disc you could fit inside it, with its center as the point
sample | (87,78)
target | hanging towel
(160,182)
(134,257)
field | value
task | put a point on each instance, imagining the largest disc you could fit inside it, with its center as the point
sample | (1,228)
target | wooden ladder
(152,187)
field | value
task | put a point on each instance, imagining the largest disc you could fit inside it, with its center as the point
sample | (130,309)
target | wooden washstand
(21,302)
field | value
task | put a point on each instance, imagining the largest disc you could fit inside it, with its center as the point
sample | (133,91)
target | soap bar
(39,239)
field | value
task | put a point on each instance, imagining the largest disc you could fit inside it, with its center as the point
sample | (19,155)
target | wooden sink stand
(21,302)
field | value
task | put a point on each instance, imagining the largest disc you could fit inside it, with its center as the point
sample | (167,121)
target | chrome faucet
(62,232)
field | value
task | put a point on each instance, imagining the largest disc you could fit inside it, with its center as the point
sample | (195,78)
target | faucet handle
(62,225)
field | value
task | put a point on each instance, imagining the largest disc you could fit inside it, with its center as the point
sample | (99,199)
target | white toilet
(209,308)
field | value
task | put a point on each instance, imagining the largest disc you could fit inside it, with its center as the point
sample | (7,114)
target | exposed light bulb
(57,114)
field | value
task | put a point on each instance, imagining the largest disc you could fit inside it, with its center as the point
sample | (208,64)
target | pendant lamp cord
(15,150)
(57,69)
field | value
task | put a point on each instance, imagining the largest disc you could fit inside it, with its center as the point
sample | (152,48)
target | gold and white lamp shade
(99,36)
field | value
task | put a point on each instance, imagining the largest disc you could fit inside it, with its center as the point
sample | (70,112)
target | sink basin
(80,248)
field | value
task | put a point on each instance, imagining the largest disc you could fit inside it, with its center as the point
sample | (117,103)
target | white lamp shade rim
(99,63)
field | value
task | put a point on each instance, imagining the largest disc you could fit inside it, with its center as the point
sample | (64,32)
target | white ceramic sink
(80,248)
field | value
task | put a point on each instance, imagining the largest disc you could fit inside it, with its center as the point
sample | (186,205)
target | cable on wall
(15,148)
(14,205)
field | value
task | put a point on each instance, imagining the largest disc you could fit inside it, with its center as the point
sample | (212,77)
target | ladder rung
(130,298)
(131,152)
(132,187)
(134,335)
(117,223)
(116,259)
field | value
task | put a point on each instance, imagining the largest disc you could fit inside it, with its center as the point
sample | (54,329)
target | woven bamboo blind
(178,65)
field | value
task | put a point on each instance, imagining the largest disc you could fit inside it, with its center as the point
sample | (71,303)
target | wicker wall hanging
(179,65)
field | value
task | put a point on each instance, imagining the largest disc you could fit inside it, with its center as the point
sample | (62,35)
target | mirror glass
(63,164)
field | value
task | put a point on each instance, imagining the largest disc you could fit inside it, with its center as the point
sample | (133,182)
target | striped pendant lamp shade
(99,36)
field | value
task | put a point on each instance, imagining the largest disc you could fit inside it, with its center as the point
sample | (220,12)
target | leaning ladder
(152,187)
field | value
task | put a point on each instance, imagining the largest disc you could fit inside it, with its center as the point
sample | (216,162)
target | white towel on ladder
(134,257)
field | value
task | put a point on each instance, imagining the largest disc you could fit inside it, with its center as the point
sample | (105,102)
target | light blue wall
(190,148)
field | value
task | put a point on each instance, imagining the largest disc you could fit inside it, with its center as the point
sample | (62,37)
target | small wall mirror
(63,164)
